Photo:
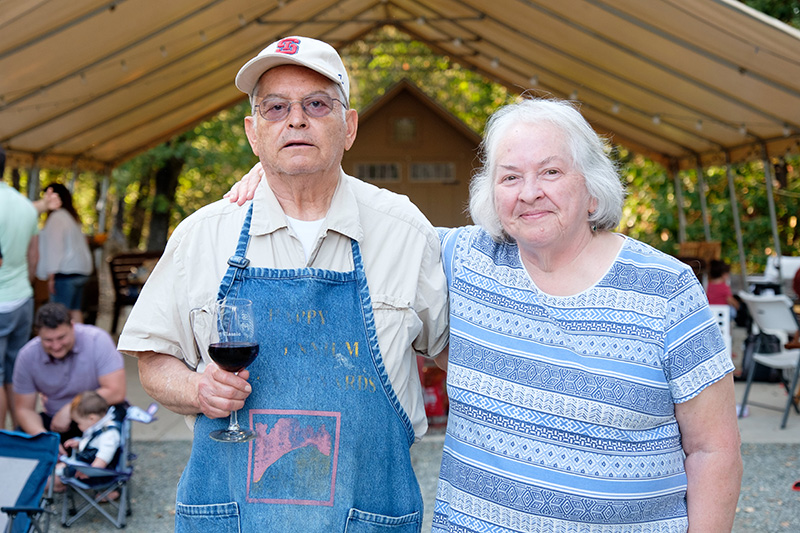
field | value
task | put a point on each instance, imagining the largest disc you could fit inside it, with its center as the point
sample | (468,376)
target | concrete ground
(766,504)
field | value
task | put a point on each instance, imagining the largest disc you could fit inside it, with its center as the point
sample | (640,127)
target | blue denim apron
(332,451)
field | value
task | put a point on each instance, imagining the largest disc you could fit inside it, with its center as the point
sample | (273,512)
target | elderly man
(348,288)
(62,361)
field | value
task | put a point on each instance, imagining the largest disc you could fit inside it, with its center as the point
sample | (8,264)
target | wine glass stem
(234,425)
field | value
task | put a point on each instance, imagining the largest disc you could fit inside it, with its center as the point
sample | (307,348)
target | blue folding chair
(26,492)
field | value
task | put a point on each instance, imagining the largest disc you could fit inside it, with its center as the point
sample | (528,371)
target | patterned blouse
(562,407)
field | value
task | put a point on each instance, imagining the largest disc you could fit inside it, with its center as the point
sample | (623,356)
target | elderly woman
(587,379)
(588,383)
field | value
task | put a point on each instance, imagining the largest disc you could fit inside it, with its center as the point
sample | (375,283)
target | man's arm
(112,386)
(33,257)
(214,392)
(710,437)
(27,417)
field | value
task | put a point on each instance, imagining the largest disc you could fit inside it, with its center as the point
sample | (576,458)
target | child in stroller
(100,444)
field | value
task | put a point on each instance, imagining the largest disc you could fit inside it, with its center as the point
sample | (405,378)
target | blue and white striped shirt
(562,407)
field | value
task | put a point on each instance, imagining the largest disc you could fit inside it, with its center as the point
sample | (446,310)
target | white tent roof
(90,83)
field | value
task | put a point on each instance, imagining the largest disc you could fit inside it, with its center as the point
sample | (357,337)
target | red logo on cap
(288,46)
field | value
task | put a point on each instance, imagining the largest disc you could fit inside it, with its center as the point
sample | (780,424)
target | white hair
(589,157)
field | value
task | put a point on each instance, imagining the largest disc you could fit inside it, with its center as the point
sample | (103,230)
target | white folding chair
(723,316)
(773,315)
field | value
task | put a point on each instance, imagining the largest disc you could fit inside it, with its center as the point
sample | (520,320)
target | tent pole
(771,202)
(737,224)
(33,181)
(73,178)
(673,168)
(101,203)
(701,185)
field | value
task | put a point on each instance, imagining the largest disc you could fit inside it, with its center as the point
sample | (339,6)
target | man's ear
(351,121)
(251,129)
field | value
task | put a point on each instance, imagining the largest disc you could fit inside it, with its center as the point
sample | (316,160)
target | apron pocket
(216,517)
(363,522)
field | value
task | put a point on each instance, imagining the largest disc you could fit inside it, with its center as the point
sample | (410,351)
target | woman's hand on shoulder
(245,189)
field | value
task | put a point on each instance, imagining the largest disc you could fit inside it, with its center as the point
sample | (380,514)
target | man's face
(300,145)
(57,341)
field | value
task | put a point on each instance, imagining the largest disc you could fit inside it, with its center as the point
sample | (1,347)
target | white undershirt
(306,231)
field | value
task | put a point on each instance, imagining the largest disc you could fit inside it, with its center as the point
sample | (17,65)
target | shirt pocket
(364,522)
(217,517)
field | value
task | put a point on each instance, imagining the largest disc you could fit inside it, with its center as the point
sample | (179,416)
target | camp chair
(773,315)
(26,495)
(101,482)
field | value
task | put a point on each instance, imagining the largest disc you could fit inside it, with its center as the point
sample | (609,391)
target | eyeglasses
(273,109)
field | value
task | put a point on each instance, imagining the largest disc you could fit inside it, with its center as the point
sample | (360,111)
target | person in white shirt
(65,260)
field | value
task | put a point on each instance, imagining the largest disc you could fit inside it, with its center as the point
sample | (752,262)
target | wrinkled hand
(245,189)
(219,392)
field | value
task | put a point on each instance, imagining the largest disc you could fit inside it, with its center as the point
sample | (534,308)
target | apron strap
(238,261)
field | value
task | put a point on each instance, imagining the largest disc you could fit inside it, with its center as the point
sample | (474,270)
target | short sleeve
(695,353)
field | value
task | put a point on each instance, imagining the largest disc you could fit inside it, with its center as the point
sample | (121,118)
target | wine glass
(233,347)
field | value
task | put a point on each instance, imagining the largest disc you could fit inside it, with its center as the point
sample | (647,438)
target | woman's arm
(710,437)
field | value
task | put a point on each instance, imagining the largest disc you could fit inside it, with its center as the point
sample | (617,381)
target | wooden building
(411,145)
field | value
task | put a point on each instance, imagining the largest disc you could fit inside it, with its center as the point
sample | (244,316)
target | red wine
(233,356)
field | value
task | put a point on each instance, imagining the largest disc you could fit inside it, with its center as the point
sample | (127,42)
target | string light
(534,80)
(698,125)
(457,42)
(573,95)
(495,62)
(163,51)
(83,78)
(421,21)
(786,130)
(743,130)
(242,20)
(615,107)
(123,65)
(656,119)
(203,37)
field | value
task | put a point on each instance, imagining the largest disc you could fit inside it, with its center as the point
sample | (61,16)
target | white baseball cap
(304,51)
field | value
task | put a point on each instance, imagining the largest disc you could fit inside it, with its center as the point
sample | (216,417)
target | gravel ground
(767,503)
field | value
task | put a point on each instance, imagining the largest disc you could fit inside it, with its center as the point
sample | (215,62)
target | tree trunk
(166,185)
(138,211)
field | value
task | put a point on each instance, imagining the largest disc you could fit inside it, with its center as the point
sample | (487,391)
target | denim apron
(332,446)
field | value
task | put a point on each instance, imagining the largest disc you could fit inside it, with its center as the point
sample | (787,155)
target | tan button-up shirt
(399,246)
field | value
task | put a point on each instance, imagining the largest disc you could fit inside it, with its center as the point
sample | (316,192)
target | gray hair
(589,156)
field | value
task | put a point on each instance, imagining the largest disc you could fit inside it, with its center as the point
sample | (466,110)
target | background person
(718,289)
(63,360)
(18,238)
(348,287)
(99,444)
(65,260)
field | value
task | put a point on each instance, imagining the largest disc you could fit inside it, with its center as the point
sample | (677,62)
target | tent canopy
(88,84)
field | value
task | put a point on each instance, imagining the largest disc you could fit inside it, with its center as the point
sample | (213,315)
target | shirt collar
(342,217)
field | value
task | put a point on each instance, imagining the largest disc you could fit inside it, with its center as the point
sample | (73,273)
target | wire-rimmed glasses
(273,108)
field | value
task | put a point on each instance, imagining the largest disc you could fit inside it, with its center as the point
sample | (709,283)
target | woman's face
(542,201)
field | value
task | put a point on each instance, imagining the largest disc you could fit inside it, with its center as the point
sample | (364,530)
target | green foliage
(787,11)
(387,56)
